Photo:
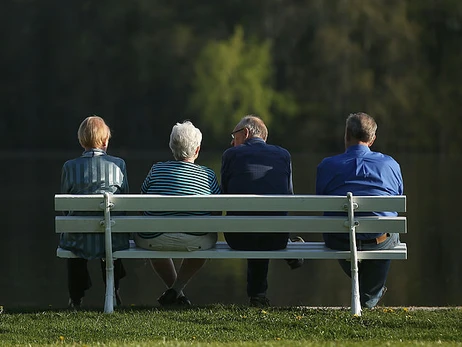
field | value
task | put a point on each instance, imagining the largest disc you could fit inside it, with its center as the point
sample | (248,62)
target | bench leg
(109,300)
(110,297)
(355,299)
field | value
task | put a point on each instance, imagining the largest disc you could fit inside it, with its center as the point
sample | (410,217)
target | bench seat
(307,250)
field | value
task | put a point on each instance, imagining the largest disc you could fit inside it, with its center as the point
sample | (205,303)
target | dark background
(303,66)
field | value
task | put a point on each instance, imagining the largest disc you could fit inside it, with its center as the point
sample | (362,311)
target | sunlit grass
(233,325)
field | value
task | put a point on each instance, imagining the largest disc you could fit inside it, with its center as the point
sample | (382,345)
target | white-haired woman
(179,177)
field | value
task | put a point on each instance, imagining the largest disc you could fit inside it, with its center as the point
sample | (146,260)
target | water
(32,275)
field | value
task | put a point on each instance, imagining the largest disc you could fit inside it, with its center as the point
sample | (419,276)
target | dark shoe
(259,301)
(295,263)
(75,304)
(170,298)
(183,301)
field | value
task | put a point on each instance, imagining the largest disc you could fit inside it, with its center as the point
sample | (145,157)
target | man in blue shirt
(362,172)
(252,166)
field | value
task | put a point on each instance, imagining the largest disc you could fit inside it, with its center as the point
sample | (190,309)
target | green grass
(233,326)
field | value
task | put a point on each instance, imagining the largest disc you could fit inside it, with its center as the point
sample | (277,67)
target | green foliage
(232,79)
(224,325)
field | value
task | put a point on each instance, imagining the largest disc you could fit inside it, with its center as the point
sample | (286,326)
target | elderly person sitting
(85,175)
(179,177)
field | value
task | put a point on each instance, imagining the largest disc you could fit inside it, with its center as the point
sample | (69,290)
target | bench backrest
(305,213)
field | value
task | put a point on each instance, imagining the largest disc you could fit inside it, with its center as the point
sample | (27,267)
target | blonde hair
(93,132)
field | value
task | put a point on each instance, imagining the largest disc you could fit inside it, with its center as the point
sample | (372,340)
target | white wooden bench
(305,216)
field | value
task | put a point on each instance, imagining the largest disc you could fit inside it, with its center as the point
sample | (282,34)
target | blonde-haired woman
(94,172)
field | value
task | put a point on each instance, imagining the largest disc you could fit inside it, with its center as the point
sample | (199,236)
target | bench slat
(300,224)
(295,203)
(309,250)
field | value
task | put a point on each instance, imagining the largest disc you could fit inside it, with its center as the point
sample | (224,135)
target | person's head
(360,128)
(248,127)
(185,141)
(94,133)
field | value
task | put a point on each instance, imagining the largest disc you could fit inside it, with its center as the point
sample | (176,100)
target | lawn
(231,325)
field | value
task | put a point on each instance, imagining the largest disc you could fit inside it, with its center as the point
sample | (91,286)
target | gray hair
(184,140)
(256,126)
(360,126)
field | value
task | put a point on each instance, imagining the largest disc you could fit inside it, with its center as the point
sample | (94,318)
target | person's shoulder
(73,161)
(163,166)
(208,170)
(331,159)
(70,162)
(384,157)
(385,160)
(161,163)
(280,149)
(118,161)
(231,152)
(114,158)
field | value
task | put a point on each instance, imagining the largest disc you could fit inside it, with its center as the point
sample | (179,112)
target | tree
(233,78)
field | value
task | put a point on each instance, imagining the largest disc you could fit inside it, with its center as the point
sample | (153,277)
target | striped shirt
(94,172)
(179,178)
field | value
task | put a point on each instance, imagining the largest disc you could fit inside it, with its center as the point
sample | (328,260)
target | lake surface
(32,275)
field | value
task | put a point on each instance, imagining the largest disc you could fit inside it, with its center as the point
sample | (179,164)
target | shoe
(365,305)
(384,290)
(75,304)
(183,301)
(295,263)
(170,298)
(259,301)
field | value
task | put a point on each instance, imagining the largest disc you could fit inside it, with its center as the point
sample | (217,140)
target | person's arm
(291,185)
(320,180)
(65,187)
(147,181)
(145,185)
(392,177)
(65,184)
(400,181)
(224,173)
(214,189)
(125,189)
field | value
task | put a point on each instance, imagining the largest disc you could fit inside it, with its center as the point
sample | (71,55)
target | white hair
(184,140)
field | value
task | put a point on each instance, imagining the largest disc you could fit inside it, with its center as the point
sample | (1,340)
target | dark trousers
(372,277)
(78,278)
(257,269)
(372,273)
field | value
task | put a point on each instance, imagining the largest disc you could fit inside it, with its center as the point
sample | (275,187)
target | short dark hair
(360,126)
